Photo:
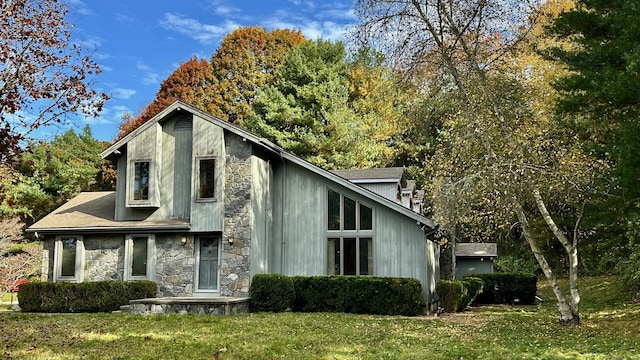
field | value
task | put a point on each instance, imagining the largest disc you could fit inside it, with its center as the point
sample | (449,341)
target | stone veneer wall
(103,257)
(175,265)
(235,275)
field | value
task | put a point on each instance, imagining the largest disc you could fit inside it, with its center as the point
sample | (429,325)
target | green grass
(609,330)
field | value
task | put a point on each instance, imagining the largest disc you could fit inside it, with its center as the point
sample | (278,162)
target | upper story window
(68,258)
(349,236)
(206,178)
(347,214)
(141,183)
(141,172)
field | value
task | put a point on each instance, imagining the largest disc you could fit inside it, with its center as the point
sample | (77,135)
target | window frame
(131,182)
(341,267)
(78,274)
(128,257)
(198,159)
(341,234)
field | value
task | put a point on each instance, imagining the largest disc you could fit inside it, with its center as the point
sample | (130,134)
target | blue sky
(138,43)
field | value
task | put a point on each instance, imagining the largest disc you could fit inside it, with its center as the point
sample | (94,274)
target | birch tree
(497,152)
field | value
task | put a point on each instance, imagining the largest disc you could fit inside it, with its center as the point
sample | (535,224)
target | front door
(208,260)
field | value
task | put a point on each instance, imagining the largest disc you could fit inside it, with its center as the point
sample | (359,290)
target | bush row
(349,294)
(101,296)
(507,288)
(456,295)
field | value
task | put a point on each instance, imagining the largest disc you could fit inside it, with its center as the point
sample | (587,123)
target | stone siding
(235,266)
(175,264)
(103,257)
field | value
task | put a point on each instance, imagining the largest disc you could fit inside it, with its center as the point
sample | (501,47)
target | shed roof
(477,249)
(94,212)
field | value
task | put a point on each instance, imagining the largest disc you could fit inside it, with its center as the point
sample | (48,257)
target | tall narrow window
(68,261)
(141,180)
(68,258)
(350,236)
(139,257)
(206,178)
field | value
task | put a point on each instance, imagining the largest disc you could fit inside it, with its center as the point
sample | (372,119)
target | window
(350,256)
(139,254)
(350,236)
(68,258)
(141,180)
(206,178)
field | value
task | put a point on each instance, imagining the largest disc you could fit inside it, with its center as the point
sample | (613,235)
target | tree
(246,63)
(44,76)
(17,259)
(599,102)
(496,157)
(49,174)
(225,86)
(328,111)
(192,82)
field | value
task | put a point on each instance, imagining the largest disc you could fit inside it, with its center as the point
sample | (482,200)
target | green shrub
(451,294)
(507,288)
(63,297)
(358,294)
(271,292)
(473,286)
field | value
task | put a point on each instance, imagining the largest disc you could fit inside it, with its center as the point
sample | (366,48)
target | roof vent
(183,124)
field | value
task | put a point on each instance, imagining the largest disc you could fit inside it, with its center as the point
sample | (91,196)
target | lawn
(610,330)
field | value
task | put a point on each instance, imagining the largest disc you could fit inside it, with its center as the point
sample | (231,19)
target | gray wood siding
(208,140)
(175,172)
(400,248)
(146,146)
(387,190)
(262,177)
(299,236)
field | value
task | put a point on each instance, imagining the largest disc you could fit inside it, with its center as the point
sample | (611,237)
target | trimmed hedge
(271,292)
(100,296)
(507,288)
(456,295)
(451,293)
(349,294)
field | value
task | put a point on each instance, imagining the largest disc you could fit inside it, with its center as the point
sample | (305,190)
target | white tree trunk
(570,248)
(566,312)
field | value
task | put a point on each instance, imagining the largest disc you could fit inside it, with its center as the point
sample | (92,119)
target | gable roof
(267,145)
(94,212)
(477,249)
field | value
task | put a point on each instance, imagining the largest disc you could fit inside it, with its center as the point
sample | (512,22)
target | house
(475,258)
(201,206)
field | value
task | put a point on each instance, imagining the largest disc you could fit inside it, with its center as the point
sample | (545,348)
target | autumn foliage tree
(44,76)
(192,82)
(227,84)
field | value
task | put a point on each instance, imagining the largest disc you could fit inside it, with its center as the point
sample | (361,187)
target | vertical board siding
(262,219)
(388,190)
(208,139)
(182,172)
(400,248)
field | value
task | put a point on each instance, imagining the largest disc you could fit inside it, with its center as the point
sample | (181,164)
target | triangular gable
(271,148)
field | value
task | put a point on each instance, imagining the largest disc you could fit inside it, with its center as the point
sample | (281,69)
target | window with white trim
(349,236)
(139,257)
(68,258)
